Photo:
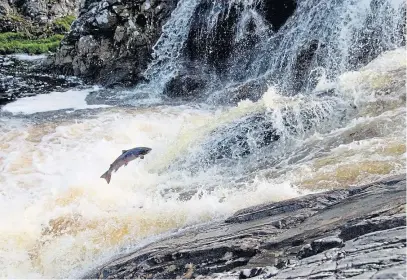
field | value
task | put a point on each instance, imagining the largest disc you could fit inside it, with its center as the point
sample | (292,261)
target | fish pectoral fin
(125,164)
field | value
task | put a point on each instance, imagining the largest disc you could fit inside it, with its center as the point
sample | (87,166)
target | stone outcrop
(111,42)
(39,10)
(35,17)
(357,232)
(24,77)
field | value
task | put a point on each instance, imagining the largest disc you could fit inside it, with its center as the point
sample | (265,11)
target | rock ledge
(357,232)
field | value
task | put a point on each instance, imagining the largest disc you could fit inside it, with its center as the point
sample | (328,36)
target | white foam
(51,176)
(28,57)
(59,218)
(71,99)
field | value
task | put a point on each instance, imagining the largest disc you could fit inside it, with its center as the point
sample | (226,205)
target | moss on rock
(31,38)
(65,22)
(15,42)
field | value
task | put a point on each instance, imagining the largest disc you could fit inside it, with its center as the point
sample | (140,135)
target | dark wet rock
(21,78)
(251,90)
(318,246)
(218,43)
(184,86)
(236,140)
(261,139)
(250,273)
(278,12)
(309,204)
(303,65)
(223,36)
(249,244)
(111,41)
(351,230)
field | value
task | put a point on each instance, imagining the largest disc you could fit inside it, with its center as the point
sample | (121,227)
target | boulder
(111,41)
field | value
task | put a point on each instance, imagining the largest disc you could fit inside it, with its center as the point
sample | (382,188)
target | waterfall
(168,49)
(278,99)
(237,41)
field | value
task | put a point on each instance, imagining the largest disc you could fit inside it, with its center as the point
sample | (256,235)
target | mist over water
(344,126)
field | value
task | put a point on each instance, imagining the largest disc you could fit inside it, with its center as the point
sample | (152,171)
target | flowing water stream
(60,219)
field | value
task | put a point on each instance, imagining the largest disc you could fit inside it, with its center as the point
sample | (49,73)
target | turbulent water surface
(60,219)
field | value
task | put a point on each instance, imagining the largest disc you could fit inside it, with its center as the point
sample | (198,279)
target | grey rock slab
(249,243)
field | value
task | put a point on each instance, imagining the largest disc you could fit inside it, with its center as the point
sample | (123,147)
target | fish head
(145,151)
(140,151)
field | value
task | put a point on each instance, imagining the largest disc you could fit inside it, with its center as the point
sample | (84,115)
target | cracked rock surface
(358,232)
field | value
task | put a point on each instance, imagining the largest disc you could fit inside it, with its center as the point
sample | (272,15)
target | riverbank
(354,232)
(23,75)
(34,27)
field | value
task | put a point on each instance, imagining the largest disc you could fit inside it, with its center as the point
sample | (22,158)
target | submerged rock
(356,232)
(184,86)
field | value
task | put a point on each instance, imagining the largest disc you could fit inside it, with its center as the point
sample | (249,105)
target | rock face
(112,40)
(357,232)
(34,16)
(39,10)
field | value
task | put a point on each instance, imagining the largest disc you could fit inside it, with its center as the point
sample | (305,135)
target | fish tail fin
(107,175)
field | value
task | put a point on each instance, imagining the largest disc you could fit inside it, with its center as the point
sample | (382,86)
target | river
(59,218)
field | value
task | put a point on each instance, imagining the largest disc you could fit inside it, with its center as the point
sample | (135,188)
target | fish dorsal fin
(124,151)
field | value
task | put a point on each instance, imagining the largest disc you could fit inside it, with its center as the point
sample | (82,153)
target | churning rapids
(60,219)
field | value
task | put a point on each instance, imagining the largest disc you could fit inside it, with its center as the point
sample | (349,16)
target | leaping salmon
(124,159)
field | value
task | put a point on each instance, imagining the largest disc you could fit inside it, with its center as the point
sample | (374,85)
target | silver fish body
(124,159)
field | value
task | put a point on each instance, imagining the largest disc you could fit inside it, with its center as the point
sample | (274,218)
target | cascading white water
(320,39)
(340,30)
(248,16)
(60,219)
(167,50)
(247,13)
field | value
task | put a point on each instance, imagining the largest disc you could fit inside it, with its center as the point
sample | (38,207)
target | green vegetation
(14,42)
(16,17)
(32,38)
(65,22)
